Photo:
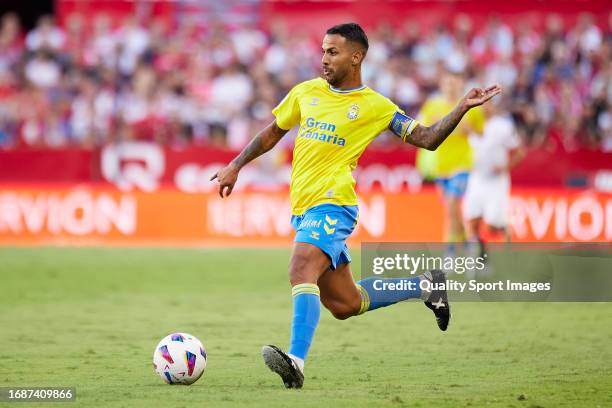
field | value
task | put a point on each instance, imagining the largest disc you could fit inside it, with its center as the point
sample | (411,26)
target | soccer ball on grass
(179,358)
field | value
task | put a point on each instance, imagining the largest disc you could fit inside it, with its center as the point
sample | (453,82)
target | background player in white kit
(487,196)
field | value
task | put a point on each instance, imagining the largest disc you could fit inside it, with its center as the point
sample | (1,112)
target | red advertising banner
(145,166)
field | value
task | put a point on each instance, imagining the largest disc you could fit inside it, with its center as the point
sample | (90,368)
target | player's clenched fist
(226,177)
(478,96)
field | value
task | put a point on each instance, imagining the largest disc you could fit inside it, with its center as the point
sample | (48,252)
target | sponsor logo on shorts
(311,224)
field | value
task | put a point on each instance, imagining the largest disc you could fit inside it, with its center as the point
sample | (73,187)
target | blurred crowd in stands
(97,80)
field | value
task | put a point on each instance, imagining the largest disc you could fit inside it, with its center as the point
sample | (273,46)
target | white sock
(298,361)
(425,293)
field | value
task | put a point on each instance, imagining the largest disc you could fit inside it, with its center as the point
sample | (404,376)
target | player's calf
(342,310)
(379,292)
(339,294)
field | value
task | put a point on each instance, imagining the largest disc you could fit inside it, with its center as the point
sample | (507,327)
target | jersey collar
(347,90)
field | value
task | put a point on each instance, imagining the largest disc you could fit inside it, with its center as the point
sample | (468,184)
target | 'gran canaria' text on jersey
(321,131)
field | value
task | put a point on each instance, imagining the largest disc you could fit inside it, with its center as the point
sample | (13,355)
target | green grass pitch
(90,318)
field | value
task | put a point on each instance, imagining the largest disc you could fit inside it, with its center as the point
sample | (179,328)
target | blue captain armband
(402,125)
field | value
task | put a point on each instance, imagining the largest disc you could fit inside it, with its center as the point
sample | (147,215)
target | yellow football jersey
(335,128)
(454,155)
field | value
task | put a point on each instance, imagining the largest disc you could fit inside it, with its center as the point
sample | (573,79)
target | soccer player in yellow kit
(338,117)
(452,162)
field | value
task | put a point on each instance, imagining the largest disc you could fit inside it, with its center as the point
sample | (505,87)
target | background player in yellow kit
(451,163)
(338,117)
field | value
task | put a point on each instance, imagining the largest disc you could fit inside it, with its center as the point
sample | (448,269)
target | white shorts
(488,197)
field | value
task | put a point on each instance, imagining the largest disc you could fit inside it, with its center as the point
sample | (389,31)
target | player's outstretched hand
(478,96)
(226,177)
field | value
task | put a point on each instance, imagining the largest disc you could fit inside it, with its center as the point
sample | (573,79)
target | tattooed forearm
(447,124)
(264,141)
(254,149)
(431,137)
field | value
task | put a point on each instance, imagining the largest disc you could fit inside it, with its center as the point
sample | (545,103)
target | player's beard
(333,77)
(328,75)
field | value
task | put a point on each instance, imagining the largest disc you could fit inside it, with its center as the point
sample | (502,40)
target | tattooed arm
(431,137)
(261,143)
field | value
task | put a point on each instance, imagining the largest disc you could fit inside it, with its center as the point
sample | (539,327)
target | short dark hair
(352,32)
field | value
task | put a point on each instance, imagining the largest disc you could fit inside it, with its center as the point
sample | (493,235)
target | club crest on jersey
(314,102)
(353,112)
